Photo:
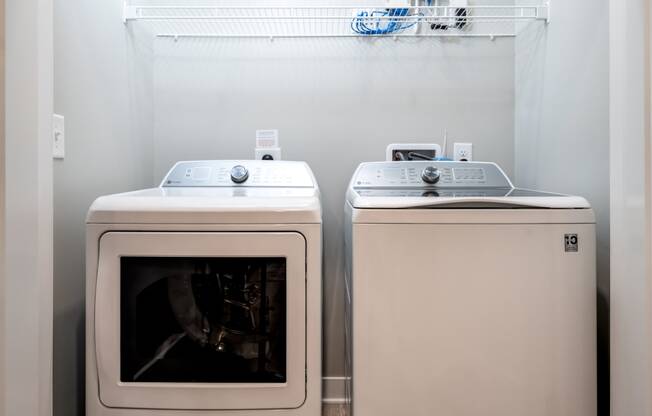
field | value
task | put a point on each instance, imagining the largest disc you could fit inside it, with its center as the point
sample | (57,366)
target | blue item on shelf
(370,23)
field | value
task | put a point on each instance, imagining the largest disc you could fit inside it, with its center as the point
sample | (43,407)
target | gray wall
(562,126)
(132,111)
(103,87)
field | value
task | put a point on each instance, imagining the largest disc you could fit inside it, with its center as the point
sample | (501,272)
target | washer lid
(395,185)
(208,206)
(463,198)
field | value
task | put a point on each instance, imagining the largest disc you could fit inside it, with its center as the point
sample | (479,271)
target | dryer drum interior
(203,320)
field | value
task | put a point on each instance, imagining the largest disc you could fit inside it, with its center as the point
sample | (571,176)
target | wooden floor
(334,410)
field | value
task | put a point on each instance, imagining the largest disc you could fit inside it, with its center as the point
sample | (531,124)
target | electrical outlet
(58,137)
(268,153)
(463,152)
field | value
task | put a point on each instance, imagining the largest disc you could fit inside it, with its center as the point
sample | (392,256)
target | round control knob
(430,175)
(239,174)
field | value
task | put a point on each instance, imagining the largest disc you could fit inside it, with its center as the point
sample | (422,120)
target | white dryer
(204,294)
(467,296)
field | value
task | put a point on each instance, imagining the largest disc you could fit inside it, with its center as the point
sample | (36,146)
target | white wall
(631,209)
(106,100)
(562,125)
(336,102)
(28,217)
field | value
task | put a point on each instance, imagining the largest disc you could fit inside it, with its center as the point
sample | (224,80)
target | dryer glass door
(201,320)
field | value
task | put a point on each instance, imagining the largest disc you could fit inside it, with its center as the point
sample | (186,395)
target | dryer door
(201,321)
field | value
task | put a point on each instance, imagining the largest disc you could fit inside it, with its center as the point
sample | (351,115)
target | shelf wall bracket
(545,11)
(129,13)
(548,4)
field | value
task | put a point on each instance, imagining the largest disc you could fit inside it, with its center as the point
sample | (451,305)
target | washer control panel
(435,174)
(238,173)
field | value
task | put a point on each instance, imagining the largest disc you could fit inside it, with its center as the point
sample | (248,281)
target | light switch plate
(58,137)
(463,152)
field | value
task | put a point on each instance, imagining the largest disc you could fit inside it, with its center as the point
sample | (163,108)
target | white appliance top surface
(288,195)
(396,185)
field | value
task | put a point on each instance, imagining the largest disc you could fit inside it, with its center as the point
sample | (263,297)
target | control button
(430,175)
(239,174)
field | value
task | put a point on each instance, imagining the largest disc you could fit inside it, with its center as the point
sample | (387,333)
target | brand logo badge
(571,242)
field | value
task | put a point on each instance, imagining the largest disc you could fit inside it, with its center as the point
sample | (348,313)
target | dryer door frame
(199,396)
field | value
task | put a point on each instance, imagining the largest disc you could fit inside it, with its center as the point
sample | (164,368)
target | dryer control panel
(239,173)
(435,174)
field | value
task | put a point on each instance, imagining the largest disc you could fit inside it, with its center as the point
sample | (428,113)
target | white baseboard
(334,390)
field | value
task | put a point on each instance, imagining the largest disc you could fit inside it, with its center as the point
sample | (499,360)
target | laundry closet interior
(144,84)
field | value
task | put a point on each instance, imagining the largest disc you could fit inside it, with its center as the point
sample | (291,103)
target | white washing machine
(204,294)
(467,296)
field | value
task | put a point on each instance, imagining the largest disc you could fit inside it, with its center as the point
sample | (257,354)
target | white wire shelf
(336,21)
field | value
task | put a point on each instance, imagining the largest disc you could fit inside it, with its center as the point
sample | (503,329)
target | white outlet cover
(58,137)
(463,151)
(274,152)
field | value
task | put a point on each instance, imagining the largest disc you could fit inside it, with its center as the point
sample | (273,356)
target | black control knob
(239,174)
(430,175)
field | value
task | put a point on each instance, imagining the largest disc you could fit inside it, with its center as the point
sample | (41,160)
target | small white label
(266,138)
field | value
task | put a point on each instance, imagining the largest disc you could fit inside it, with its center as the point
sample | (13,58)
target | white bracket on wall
(543,11)
(129,13)
(547,11)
